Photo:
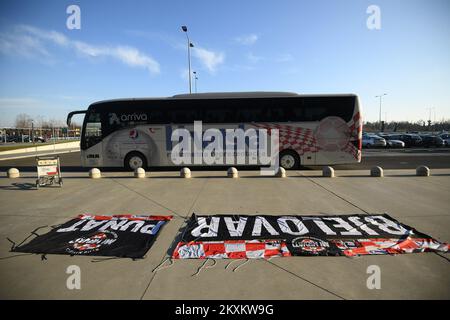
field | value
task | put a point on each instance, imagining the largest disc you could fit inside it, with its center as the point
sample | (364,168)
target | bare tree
(23,120)
(400,126)
(40,122)
(54,123)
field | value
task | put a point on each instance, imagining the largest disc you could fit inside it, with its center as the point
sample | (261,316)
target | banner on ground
(129,236)
(265,236)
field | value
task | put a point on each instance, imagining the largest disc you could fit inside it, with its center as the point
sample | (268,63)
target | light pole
(32,131)
(190,45)
(195,80)
(429,118)
(380,96)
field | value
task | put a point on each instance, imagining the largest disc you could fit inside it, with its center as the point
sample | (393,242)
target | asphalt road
(387,159)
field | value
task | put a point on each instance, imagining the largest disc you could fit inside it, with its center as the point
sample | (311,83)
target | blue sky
(137,49)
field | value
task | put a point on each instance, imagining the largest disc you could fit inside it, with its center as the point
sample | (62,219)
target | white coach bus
(132,133)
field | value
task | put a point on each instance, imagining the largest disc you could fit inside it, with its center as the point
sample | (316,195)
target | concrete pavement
(417,201)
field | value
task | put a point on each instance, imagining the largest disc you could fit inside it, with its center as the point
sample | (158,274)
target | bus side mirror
(71,114)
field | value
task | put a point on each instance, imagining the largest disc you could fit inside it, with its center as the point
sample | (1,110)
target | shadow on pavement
(19,186)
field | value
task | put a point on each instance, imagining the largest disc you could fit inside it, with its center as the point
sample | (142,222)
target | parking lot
(421,202)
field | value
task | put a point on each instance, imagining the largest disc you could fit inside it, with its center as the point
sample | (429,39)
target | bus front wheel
(135,160)
(289,160)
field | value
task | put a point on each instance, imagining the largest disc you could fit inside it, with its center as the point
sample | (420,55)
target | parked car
(39,139)
(410,140)
(391,142)
(25,138)
(13,139)
(432,141)
(446,138)
(372,140)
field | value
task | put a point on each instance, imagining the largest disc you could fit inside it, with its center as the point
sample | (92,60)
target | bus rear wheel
(135,160)
(289,160)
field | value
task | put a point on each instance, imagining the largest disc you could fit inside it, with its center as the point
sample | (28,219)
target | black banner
(127,236)
(265,236)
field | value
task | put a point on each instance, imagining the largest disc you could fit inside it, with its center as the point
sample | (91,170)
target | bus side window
(315,109)
(214,115)
(156,116)
(315,113)
(196,112)
(246,114)
(297,113)
(278,114)
(173,114)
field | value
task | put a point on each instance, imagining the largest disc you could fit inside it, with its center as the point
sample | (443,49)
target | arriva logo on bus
(114,119)
(225,147)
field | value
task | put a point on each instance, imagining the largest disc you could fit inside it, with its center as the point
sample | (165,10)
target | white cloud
(88,50)
(133,57)
(54,36)
(247,39)
(23,45)
(210,59)
(31,41)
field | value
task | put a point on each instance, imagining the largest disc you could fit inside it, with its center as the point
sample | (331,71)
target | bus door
(91,144)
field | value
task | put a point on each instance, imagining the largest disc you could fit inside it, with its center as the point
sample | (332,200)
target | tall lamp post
(190,45)
(429,118)
(32,131)
(381,96)
(195,80)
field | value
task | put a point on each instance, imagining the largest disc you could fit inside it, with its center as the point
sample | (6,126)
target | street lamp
(32,131)
(380,96)
(195,80)
(190,45)
(429,118)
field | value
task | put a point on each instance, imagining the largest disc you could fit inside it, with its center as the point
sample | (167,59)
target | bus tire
(289,160)
(135,160)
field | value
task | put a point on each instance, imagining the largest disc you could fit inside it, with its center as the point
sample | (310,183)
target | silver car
(372,140)
(391,142)
(395,143)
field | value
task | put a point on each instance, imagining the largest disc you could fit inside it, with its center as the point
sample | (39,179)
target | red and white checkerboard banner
(231,249)
(302,140)
(296,138)
(396,246)
(355,127)
(264,249)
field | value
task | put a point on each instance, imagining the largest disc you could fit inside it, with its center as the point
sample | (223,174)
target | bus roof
(225,95)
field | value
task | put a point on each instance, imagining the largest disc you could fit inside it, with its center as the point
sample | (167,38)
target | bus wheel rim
(136,162)
(287,161)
